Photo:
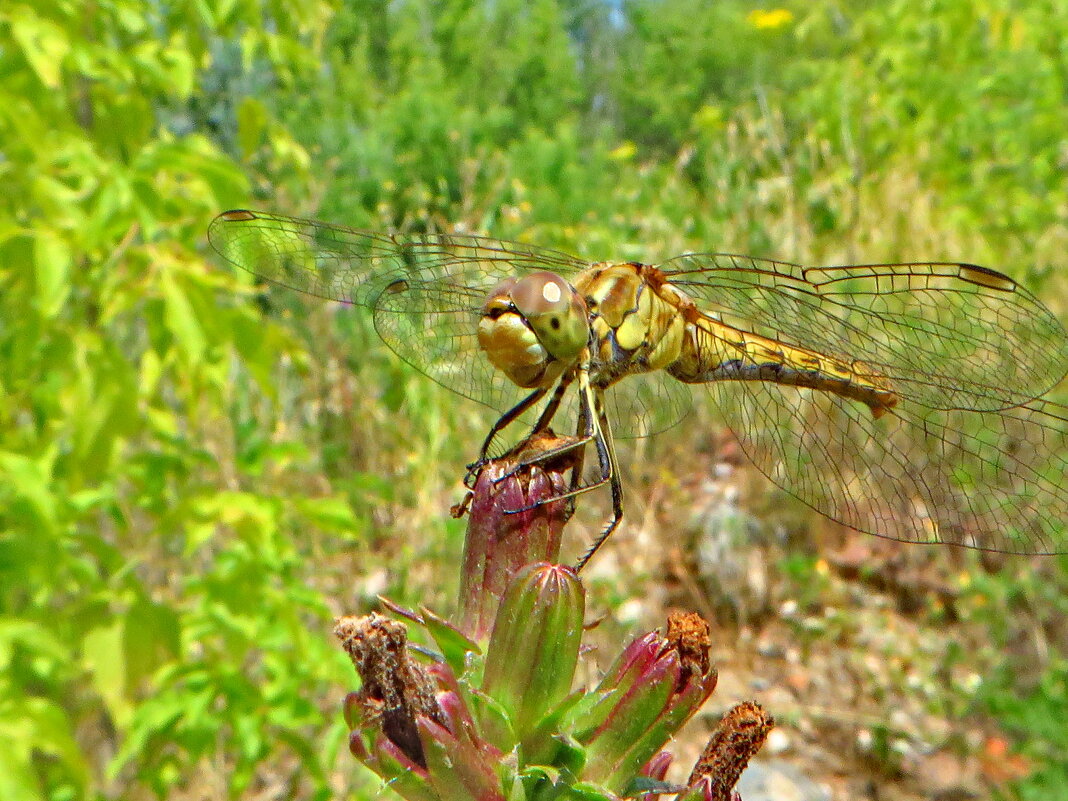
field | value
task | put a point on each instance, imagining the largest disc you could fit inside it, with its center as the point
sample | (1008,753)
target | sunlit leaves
(43,43)
(251,123)
(120,370)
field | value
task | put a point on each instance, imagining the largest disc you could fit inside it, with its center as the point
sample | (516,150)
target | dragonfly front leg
(606,453)
(594,427)
(586,431)
(540,426)
(503,422)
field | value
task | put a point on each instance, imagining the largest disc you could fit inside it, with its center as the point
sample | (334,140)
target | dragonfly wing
(426,291)
(995,480)
(354,266)
(641,405)
(947,336)
(440,340)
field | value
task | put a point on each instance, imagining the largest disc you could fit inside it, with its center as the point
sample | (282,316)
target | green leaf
(153,719)
(251,124)
(493,721)
(52,259)
(28,481)
(181,66)
(331,514)
(37,724)
(181,319)
(18,777)
(151,637)
(453,643)
(109,413)
(43,43)
(102,656)
(31,637)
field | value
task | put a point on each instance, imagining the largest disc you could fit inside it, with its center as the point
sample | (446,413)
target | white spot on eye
(551,291)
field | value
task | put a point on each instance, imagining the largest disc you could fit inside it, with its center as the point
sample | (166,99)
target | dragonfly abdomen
(715,351)
(879,401)
(641,322)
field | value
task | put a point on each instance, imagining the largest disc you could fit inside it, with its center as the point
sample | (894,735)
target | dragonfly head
(534,327)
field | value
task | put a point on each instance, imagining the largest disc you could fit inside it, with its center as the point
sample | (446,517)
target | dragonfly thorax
(533,328)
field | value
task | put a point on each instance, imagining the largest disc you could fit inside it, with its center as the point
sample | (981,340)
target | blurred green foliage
(189,490)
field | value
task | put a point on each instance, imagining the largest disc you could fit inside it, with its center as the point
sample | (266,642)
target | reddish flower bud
(656,685)
(510,525)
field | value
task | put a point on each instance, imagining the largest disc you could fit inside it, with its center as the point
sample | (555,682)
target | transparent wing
(426,291)
(355,266)
(994,480)
(947,336)
(642,405)
(426,294)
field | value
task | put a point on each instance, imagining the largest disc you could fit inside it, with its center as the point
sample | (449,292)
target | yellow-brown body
(640,322)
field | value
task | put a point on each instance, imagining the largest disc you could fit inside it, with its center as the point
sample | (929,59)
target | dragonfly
(909,401)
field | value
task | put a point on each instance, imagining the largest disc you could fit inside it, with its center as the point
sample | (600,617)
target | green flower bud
(533,650)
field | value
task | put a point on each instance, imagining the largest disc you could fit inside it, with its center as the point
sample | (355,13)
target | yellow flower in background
(769,20)
(624,151)
(709,118)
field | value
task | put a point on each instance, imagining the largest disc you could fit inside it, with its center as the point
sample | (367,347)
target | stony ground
(863,649)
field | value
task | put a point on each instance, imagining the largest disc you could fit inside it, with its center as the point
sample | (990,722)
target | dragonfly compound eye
(555,312)
(509,342)
(532,329)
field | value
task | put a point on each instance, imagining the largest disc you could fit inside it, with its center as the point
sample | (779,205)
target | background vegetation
(194,477)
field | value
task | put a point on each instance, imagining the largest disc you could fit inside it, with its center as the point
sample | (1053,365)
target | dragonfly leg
(594,421)
(584,435)
(542,456)
(549,411)
(542,424)
(503,422)
(509,417)
(582,429)
(606,450)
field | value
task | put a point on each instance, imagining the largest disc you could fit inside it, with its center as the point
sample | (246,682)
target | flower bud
(655,686)
(511,525)
(533,650)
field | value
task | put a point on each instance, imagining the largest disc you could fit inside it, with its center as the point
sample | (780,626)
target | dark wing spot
(237,215)
(985,277)
(554,323)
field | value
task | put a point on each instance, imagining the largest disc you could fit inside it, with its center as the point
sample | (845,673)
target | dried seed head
(395,689)
(736,739)
(690,636)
